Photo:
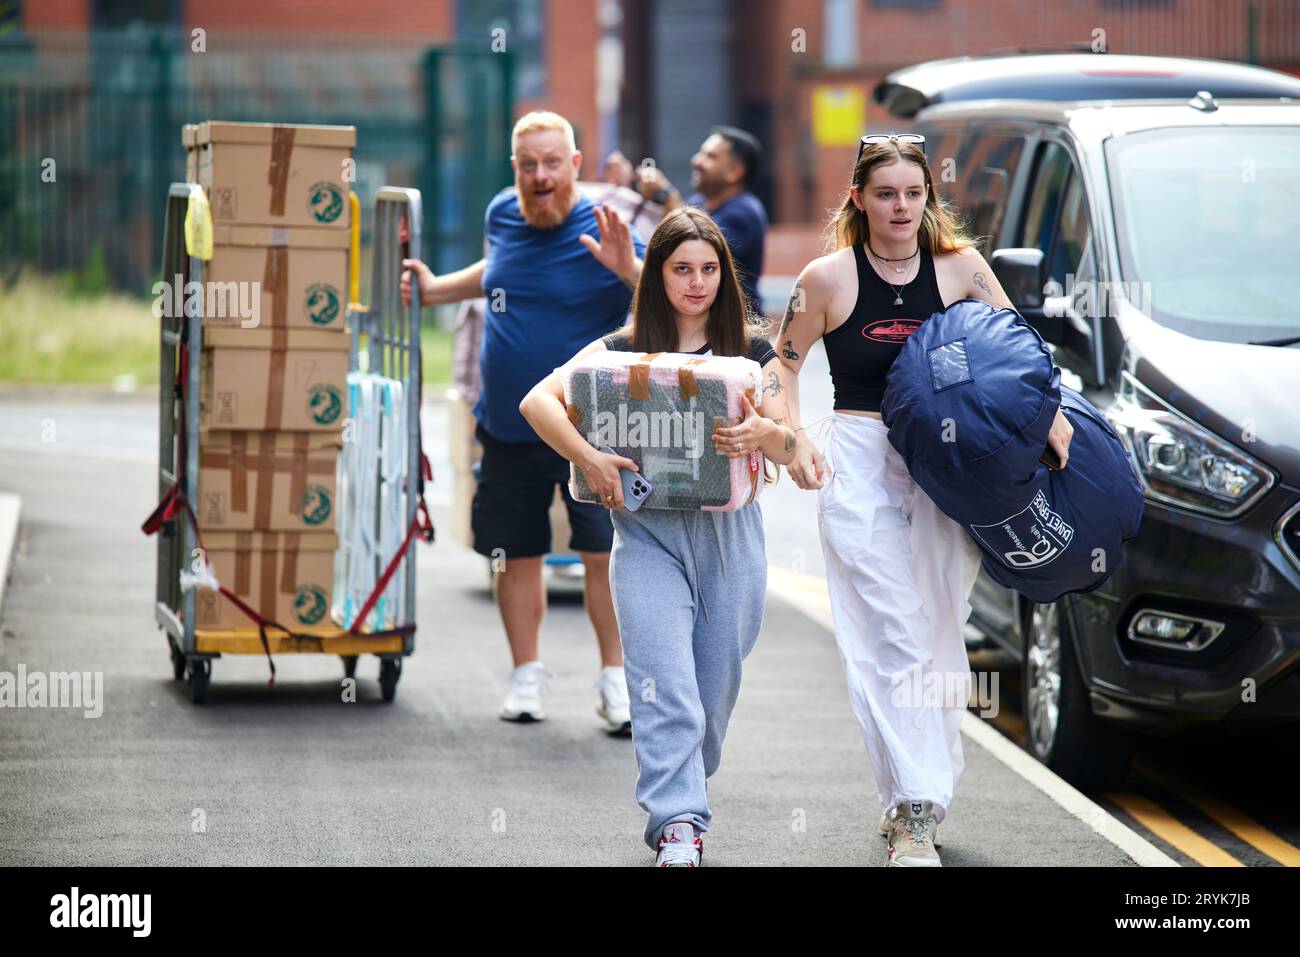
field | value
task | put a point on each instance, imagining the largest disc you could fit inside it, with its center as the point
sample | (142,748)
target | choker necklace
(898,269)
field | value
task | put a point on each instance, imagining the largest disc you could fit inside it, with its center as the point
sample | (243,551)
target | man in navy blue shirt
(551,288)
(722,171)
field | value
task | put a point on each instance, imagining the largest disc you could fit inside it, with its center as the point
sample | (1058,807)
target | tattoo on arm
(774,387)
(789,440)
(788,351)
(983,283)
(794,305)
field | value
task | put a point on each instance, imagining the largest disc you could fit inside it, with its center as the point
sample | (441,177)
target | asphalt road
(293,775)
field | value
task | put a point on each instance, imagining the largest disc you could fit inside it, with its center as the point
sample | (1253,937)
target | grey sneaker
(884,829)
(911,836)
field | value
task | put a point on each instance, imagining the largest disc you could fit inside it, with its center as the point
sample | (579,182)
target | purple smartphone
(636,487)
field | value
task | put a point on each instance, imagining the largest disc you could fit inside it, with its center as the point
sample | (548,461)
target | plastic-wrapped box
(660,410)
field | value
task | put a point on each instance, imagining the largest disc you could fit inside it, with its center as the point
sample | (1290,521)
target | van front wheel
(1060,728)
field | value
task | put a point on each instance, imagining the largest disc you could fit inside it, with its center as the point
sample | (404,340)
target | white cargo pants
(900,573)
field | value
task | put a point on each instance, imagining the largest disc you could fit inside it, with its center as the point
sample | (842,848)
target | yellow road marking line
(1246,828)
(1162,824)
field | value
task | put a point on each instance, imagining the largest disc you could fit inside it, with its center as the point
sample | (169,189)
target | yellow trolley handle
(354,254)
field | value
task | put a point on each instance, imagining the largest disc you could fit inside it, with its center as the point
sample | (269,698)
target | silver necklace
(898,290)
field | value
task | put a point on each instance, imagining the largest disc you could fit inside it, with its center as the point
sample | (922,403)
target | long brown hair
(654,326)
(939,232)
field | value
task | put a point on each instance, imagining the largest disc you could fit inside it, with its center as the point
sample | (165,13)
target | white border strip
(11,507)
(806,593)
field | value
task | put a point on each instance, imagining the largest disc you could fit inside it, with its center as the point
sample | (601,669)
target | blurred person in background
(723,170)
(549,294)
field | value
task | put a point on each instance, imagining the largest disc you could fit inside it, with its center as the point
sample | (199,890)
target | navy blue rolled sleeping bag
(969,403)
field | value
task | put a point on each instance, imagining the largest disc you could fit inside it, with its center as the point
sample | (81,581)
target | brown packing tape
(278,174)
(275,280)
(243,562)
(686,384)
(298,474)
(267,579)
(239,472)
(289,564)
(275,378)
(265,479)
(638,382)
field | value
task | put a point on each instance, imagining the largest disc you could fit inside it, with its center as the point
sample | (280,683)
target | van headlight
(1181,463)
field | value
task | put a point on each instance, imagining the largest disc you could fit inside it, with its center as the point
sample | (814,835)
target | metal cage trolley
(377,616)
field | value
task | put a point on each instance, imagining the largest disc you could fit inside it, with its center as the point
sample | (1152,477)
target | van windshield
(1208,223)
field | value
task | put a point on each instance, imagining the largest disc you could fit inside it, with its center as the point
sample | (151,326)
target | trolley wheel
(390,669)
(200,675)
(178,661)
(349,665)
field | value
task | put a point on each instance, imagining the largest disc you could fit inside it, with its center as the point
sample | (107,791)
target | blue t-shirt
(743,222)
(547,297)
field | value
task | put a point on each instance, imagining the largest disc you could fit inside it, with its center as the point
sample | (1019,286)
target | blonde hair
(539,120)
(939,232)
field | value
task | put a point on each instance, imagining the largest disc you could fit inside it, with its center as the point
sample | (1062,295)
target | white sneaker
(614,706)
(524,699)
(679,847)
(884,829)
(911,836)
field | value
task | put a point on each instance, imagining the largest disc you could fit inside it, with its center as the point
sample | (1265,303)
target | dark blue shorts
(512,502)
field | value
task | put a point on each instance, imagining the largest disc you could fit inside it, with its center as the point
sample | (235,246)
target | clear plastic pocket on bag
(949,365)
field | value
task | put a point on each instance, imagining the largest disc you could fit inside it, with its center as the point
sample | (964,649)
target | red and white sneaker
(679,847)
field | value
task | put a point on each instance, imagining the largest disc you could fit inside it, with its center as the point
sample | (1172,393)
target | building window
(841,32)
(521,24)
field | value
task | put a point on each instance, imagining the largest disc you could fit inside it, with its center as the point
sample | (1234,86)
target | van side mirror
(1020,270)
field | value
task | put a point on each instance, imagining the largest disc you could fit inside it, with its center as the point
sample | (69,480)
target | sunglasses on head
(866,141)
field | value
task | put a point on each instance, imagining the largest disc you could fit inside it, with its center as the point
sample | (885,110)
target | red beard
(556,212)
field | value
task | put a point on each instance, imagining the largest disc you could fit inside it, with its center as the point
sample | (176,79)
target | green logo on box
(322,304)
(326,403)
(310,604)
(315,505)
(326,202)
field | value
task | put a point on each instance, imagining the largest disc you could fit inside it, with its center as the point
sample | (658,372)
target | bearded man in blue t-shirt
(558,273)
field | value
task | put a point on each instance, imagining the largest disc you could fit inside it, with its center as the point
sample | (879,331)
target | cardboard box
(285,576)
(303,275)
(268,481)
(274,379)
(273,175)
(190,140)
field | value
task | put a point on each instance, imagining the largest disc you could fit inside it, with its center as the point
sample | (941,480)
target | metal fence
(90,134)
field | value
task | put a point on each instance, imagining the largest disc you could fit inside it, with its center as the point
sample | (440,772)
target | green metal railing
(90,134)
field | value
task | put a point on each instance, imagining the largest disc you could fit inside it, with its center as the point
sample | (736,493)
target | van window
(1056,219)
(988,162)
(1208,224)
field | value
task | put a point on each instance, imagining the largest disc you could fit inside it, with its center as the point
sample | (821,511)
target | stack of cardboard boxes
(274,377)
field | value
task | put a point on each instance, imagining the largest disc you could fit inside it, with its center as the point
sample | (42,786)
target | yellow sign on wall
(839,115)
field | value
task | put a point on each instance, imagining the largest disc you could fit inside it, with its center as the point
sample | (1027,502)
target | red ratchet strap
(165,511)
(420,522)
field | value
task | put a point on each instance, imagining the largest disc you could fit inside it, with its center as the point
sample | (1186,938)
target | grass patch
(50,332)
(54,332)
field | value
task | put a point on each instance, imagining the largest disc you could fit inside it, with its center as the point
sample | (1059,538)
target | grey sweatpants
(688,589)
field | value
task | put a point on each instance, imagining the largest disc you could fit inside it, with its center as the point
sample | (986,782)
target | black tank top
(862,350)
